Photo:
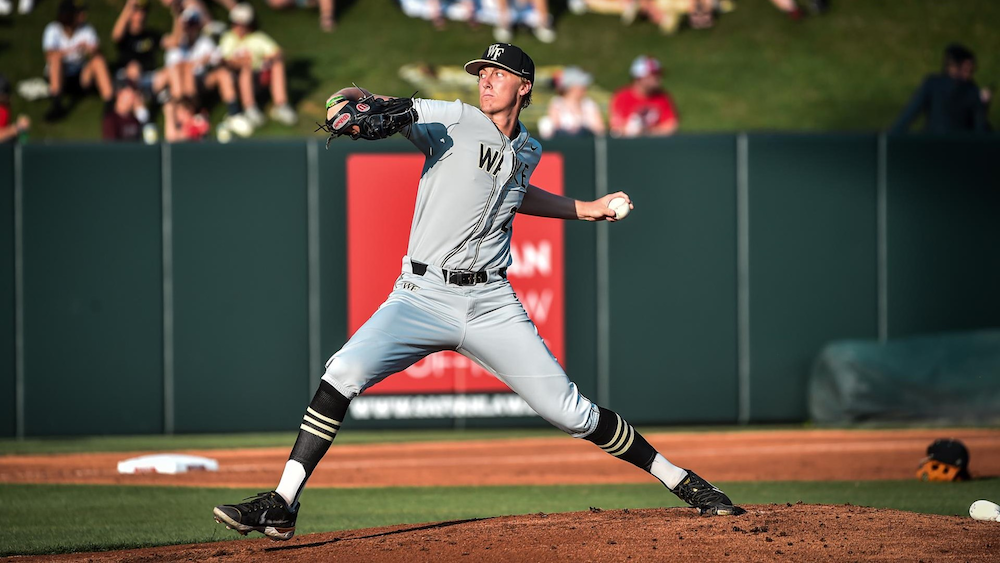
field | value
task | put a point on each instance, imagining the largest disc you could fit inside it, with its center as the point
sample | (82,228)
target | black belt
(457,277)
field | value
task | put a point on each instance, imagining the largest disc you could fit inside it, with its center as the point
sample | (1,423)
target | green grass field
(38,519)
(852,69)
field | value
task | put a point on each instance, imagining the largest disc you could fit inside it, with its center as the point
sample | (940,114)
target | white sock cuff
(292,481)
(668,473)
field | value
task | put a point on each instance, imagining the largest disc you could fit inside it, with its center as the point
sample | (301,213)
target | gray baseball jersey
(472,184)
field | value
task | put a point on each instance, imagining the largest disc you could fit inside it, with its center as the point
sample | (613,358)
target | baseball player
(453,292)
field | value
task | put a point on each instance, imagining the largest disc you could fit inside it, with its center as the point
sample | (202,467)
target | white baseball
(620,206)
(985,510)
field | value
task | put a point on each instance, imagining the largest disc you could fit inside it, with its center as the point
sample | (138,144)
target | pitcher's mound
(791,532)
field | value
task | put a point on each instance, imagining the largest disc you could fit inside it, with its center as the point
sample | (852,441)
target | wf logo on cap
(494,51)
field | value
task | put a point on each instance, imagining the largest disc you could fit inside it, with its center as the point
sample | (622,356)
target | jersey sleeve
(668,111)
(206,52)
(89,36)
(50,37)
(431,116)
(265,45)
(913,109)
(227,45)
(619,110)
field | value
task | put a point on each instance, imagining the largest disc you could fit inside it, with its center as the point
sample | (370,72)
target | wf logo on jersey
(489,159)
(494,51)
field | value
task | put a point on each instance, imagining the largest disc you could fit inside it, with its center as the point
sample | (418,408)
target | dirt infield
(818,455)
(766,533)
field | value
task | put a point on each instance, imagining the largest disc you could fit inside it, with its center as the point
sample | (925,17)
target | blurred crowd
(178,76)
(506,16)
(182,73)
(641,108)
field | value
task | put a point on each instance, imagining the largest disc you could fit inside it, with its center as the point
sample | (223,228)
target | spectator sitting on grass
(535,13)
(214,27)
(256,60)
(138,47)
(183,122)
(120,122)
(193,65)
(952,101)
(326,8)
(73,61)
(643,107)
(10,131)
(572,113)
(438,11)
(665,14)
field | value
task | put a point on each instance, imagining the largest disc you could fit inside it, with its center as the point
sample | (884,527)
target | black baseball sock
(617,437)
(316,433)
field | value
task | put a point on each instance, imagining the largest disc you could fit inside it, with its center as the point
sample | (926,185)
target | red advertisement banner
(381,191)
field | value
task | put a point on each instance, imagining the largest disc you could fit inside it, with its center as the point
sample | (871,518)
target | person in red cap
(643,107)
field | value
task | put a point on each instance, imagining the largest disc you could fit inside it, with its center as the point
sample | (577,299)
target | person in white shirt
(194,63)
(257,62)
(72,57)
(573,113)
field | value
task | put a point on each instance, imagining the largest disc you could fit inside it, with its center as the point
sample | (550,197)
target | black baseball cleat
(704,496)
(266,513)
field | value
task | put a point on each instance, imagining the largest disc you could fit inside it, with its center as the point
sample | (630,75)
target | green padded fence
(92,290)
(943,224)
(164,287)
(240,285)
(8,367)
(672,280)
(812,260)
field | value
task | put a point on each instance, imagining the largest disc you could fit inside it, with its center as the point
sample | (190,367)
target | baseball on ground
(985,510)
(620,206)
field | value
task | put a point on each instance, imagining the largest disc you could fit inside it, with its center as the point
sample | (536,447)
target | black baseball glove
(368,118)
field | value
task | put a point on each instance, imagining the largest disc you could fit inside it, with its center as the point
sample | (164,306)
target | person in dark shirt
(120,122)
(951,101)
(138,48)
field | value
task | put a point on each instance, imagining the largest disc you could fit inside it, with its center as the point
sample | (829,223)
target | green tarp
(945,378)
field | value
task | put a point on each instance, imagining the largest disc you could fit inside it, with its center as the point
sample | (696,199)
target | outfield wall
(150,289)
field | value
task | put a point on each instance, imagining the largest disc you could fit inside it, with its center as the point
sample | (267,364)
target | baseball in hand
(985,510)
(620,206)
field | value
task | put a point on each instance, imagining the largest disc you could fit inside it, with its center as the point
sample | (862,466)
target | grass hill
(851,69)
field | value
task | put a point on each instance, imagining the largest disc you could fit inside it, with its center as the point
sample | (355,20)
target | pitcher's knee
(348,377)
(577,422)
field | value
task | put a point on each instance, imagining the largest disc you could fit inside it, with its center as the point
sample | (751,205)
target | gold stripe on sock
(618,433)
(315,432)
(623,449)
(319,424)
(626,431)
(323,418)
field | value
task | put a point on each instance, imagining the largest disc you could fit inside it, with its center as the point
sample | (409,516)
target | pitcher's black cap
(504,55)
